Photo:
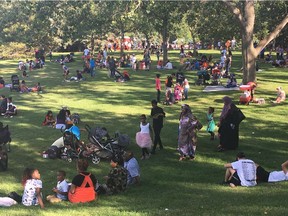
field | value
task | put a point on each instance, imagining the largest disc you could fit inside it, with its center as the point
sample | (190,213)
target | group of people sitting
(245,172)
(25,89)
(7,108)
(84,187)
(175,90)
(30,64)
(63,120)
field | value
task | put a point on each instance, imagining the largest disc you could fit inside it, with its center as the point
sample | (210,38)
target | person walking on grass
(242,172)
(158,87)
(211,123)
(144,137)
(157,114)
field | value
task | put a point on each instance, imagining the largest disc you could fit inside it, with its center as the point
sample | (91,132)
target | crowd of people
(85,187)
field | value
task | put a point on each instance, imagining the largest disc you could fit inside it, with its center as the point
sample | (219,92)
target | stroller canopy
(74,130)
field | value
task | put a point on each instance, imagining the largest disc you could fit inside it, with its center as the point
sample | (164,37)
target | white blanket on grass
(219,88)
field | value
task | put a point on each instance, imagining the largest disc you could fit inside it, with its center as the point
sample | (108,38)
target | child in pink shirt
(158,86)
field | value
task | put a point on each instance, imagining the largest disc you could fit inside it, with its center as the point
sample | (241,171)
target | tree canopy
(61,23)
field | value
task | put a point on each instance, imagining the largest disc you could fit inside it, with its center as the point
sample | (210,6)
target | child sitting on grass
(61,190)
(49,119)
(11,109)
(32,188)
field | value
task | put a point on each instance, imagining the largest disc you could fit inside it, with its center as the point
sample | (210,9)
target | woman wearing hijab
(187,138)
(228,126)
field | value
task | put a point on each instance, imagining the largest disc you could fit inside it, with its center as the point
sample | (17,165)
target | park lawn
(168,187)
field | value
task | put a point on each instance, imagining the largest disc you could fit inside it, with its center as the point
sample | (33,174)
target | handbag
(240,116)
(199,125)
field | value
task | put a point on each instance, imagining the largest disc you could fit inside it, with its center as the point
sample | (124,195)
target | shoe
(161,147)
(152,152)
(148,156)
(181,158)
(143,158)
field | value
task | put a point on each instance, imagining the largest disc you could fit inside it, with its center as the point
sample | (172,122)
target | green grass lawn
(168,187)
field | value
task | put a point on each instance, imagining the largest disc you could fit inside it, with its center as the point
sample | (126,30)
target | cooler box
(245,87)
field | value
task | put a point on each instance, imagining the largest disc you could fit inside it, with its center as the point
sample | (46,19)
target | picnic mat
(219,88)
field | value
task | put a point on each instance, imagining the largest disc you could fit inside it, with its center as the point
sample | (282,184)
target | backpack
(53,152)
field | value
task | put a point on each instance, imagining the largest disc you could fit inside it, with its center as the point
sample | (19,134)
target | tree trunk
(165,40)
(246,18)
(248,59)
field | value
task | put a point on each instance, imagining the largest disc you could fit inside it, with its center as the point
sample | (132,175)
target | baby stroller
(102,146)
(216,76)
(203,76)
(248,93)
(15,83)
(5,140)
(72,145)
(121,78)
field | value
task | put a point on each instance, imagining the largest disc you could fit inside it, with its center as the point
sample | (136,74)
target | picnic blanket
(219,88)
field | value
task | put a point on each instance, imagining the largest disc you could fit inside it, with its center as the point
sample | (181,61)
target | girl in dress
(211,123)
(144,137)
(32,188)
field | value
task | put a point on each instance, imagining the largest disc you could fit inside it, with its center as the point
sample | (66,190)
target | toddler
(61,190)
(211,123)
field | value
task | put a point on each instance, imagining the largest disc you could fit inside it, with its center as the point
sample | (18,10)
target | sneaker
(148,156)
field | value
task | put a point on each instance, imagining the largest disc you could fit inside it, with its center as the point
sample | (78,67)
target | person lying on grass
(274,176)
(242,172)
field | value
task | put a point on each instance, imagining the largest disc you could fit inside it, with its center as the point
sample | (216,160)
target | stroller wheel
(95,159)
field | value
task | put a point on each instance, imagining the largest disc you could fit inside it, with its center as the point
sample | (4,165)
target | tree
(244,11)
(165,15)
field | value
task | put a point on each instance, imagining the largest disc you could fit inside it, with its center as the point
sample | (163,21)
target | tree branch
(236,11)
(272,35)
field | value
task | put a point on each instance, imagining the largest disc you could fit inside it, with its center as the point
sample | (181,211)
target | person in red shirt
(158,86)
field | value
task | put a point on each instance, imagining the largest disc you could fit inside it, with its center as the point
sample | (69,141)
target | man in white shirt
(242,172)
(274,176)
(168,65)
